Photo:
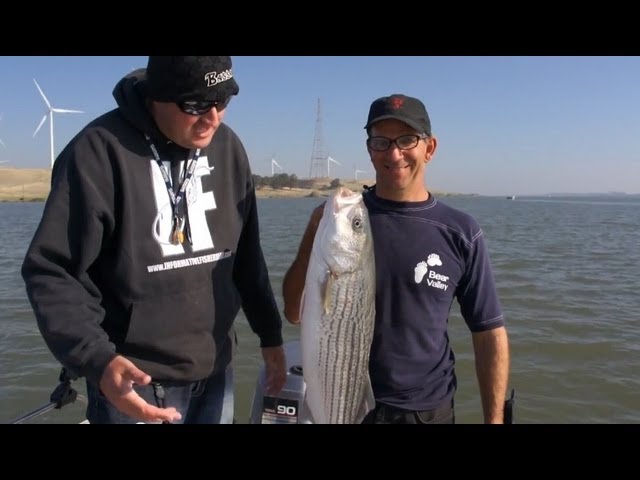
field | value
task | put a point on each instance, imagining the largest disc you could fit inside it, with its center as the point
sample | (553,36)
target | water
(567,276)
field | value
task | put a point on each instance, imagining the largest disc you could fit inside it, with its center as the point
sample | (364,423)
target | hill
(33,184)
(24,184)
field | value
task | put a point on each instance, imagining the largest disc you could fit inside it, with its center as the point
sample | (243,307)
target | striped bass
(337,313)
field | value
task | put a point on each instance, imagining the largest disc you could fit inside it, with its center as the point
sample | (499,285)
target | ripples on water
(566,271)
(567,275)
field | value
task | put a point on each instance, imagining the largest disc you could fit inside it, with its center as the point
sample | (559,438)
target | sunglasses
(196,107)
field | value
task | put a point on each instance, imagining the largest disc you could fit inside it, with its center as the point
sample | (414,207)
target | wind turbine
(275,164)
(359,171)
(329,160)
(50,111)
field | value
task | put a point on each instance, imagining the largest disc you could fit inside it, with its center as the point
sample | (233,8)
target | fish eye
(356,223)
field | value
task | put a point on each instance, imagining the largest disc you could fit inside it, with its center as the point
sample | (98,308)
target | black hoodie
(103,277)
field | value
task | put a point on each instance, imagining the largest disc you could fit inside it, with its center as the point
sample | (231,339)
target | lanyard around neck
(176,199)
(179,211)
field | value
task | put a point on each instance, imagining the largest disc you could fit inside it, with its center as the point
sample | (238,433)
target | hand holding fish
(293,284)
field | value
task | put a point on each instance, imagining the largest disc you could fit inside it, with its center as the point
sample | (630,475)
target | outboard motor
(287,407)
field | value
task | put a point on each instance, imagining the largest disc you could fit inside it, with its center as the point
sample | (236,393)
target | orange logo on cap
(397,103)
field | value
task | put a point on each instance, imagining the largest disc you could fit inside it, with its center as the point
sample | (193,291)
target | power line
(318,154)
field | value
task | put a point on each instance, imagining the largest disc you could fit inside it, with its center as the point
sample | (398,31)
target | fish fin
(326,292)
(302,299)
(368,401)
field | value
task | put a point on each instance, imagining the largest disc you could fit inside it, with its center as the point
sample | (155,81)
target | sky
(505,125)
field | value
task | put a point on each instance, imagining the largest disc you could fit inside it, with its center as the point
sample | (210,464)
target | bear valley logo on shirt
(434,279)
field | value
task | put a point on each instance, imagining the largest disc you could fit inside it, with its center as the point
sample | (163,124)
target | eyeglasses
(195,107)
(404,142)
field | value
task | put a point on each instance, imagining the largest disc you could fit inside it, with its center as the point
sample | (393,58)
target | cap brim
(417,127)
(224,90)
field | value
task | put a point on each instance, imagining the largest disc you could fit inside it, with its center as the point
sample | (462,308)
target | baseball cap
(175,79)
(401,107)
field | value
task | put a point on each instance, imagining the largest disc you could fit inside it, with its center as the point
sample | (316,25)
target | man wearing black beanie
(148,247)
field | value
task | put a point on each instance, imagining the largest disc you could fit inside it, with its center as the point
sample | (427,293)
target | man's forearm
(492,369)
(294,279)
(292,288)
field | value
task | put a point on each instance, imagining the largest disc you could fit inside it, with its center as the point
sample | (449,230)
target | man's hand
(275,363)
(117,385)
(295,277)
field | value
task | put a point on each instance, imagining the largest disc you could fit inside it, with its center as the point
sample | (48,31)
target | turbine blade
(40,124)
(2,143)
(63,110)
(42,93)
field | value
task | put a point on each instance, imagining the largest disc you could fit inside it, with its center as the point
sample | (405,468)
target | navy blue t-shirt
(427,254)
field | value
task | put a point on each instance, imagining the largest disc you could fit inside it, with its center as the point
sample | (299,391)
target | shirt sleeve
(477,295)
(66,243)
(251,277)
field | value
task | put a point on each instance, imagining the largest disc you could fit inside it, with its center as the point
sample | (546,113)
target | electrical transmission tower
(318,155)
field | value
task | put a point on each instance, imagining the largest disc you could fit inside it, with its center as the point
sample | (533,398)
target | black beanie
(175,79)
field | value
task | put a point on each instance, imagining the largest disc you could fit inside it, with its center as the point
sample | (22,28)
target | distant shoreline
(33,185)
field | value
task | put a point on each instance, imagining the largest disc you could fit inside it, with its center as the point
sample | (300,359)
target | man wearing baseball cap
(428,255)
(149,245)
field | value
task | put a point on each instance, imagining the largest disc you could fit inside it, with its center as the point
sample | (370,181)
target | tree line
(284,180)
